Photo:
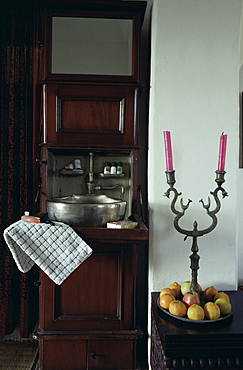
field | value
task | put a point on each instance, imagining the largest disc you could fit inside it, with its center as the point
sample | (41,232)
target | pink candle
(168,151)
(222,152)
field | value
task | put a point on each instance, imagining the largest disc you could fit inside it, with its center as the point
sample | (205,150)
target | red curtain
(18,296)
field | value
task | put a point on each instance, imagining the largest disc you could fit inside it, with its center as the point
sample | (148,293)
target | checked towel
(57,249)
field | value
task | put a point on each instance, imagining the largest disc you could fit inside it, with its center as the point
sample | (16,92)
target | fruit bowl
(185,319)
(195,307)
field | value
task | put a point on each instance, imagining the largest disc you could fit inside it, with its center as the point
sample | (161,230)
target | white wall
(239,192)
(195,95)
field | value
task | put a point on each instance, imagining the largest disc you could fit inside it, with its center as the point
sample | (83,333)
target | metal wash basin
(89,210)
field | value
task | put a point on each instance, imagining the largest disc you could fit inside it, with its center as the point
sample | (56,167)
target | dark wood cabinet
(89,321)
(81,352)
(92,320)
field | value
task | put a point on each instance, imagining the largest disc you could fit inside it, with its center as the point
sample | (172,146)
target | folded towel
(57,249)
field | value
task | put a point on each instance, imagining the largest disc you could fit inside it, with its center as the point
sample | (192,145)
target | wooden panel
(77,115)
(62,354)
(98,295)
(96,116)
(96,290)
(111,354)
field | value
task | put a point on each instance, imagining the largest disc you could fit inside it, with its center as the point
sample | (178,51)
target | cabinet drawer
(94,115)
(113,354)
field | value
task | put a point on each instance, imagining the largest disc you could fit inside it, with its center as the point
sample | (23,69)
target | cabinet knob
(94,355)
(40,161)
(37,283)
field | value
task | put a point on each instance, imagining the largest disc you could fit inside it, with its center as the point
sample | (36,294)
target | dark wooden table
(177,344)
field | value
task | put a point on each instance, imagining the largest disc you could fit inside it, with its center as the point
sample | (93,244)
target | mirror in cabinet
(76,42)
(94,40)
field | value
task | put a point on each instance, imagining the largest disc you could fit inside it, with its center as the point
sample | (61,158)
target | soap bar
(124,224)
(27,218)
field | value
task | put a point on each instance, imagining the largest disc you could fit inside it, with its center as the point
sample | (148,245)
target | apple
(191,298)
(221,294)
(224,305)
(186,287)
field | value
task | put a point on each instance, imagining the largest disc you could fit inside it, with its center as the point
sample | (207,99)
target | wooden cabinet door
(90,115)
(98,295)
(111,354)
(62,355)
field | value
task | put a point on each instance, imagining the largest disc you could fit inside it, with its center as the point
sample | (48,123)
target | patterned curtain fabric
(17,305)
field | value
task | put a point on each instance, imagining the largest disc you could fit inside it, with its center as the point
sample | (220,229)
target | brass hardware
(40,161)
(92,180)
(94,355)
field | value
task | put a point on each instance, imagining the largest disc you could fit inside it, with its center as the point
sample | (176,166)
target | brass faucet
(91,183)
(111,188)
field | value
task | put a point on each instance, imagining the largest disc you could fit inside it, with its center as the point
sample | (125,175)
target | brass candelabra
(195,233)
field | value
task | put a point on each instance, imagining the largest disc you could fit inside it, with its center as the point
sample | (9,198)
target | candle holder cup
(195,233)
(170,175)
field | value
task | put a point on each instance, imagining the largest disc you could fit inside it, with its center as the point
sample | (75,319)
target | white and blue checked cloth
(57,249)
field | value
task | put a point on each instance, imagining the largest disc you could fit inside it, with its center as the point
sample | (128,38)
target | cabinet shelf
(67,172)
(104,176)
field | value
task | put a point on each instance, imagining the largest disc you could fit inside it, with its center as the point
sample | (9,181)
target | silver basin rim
(88,199)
